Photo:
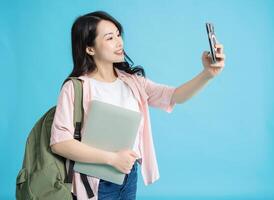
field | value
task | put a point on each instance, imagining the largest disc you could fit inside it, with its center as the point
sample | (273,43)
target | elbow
(61,148)
(179,98)
(58,148)
(174,99)
(54,148)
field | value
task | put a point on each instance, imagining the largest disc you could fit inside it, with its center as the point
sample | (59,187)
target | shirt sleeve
(62,126)
(159,95)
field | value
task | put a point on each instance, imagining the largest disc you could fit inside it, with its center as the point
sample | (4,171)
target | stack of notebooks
(111,128)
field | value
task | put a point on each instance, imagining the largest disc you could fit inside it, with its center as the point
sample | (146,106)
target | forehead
(105,27)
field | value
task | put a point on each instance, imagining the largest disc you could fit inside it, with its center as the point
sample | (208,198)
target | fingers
(220,56)
(131,153)
(131,162)
(125,160)
(129,166)
(220,48)
(135,155)
(218,45)
(205,53)
(219,64)
(220,52)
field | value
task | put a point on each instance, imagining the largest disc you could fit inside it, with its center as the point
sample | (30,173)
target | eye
(119,35)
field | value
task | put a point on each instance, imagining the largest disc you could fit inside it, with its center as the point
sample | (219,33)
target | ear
(90,51)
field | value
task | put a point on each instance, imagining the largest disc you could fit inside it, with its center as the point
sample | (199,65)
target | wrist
(109,158)
(206,75)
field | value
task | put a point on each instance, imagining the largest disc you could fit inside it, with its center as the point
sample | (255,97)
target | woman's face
(108,43)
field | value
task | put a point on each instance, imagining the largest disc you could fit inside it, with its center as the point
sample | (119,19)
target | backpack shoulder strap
(78,106)
(78,122)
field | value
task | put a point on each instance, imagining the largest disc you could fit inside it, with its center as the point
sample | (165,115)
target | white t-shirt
(119,94)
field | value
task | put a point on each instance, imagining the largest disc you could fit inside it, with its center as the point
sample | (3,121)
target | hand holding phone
(212,41)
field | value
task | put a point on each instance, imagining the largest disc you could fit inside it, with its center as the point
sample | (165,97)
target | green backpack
(43,175)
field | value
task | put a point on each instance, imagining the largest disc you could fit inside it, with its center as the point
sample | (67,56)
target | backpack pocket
(47,184)
(22,186)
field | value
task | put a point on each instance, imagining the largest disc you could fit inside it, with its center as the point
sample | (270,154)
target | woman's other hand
(213,70)
(123,160)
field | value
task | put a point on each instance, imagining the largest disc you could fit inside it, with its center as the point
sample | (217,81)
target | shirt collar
(121,74)
(124,76)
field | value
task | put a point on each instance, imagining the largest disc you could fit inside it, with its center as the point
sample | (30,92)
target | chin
(119,60)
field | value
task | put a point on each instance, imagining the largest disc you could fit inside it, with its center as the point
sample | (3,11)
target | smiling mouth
(119,52)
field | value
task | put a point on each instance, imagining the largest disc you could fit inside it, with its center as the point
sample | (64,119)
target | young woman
(101,63)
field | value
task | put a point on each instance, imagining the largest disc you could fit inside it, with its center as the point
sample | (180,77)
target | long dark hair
(83,34)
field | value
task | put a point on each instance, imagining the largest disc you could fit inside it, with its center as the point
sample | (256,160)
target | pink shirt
(147,93)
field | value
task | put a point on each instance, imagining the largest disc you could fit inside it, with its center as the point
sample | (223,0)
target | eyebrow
(110,33)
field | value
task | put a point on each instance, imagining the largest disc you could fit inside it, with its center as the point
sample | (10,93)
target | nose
(119,42)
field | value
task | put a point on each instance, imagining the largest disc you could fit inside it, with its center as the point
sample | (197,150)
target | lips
(121,51)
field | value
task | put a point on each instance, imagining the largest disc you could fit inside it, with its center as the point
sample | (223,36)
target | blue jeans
(126,191)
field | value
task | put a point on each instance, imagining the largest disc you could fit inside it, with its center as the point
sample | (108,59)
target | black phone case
(212,41)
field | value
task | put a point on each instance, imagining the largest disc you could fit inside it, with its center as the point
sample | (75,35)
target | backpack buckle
(77,131)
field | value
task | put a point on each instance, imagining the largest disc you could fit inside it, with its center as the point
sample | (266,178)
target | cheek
(106,52)
(107,47)
(102,50)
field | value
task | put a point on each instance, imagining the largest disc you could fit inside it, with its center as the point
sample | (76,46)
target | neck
(104,73)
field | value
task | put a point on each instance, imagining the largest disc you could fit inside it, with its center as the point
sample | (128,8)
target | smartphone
(212,41)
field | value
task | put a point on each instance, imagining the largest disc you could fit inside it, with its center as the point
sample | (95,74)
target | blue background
(217,145)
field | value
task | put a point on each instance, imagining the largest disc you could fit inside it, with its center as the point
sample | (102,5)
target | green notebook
(112,128)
